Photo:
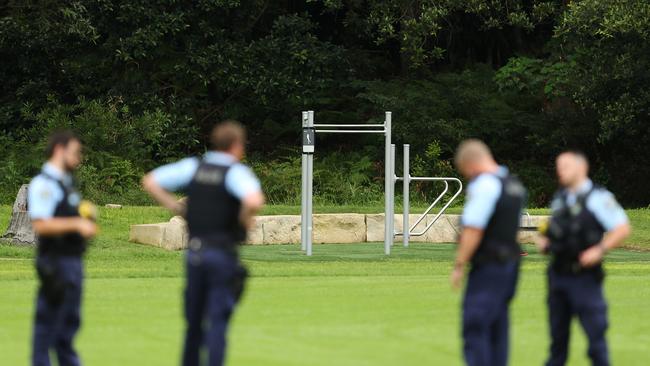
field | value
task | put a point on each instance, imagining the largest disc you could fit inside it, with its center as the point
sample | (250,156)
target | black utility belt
(495,258)
(60,251)
(51,254)
(483,261)
(220,242)
(572,267)
(567,267)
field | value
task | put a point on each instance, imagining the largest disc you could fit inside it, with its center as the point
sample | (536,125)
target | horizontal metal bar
(401,233)
(347,126)
(428,179)
(349,131)
(410,234)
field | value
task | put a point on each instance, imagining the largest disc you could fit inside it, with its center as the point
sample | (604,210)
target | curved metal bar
(426,212)
(442,210)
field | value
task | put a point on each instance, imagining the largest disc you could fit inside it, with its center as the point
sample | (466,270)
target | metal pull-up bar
(350,126)
(308,148)
(348,131)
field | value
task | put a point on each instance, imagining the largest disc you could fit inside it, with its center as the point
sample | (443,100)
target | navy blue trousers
(490,287)
(209,302)
(58,310)
(581,295)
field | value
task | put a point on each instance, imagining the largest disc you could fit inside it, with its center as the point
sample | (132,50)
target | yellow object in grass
(88,210)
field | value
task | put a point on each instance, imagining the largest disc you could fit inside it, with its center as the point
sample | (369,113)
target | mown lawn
(346,305)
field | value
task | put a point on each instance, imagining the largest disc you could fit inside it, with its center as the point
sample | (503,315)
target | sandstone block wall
(328,228)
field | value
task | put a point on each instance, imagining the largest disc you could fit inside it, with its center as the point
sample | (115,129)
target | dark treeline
(143,81)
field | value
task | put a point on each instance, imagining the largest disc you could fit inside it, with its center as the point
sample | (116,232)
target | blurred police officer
(222,197)
(488,242)
(586,222)
(53,204)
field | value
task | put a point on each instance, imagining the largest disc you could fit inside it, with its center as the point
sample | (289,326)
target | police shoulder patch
(45,193)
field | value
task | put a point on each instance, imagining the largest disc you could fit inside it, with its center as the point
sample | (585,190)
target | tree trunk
(20,230)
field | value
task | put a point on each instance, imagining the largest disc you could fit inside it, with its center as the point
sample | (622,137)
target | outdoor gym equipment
(309,131)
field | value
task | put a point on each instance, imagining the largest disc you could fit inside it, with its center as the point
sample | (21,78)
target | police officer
(586,222)
(488,243)
(222,197)
(53,204)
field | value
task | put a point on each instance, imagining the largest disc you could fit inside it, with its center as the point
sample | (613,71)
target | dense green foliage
(143,81)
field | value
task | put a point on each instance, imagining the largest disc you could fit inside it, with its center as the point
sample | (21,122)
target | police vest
(499,243)
(213,212)
(571,230)
(69,244)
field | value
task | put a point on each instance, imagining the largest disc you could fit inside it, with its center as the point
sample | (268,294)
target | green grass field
(346,305)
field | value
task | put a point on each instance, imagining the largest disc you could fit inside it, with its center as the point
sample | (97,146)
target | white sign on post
(308,140)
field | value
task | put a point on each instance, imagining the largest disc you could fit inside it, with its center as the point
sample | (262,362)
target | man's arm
(542,241)
(243,184)
(161,195)
(470,238)
(251,205)
(613,218)
(616,237)
(162,181)
(482,195)
(611,240)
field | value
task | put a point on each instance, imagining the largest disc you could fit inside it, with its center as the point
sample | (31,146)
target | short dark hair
(59,138)
(225,134)
(471,150)
(577,153)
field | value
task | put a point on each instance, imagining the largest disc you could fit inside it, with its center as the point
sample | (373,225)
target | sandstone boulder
(150,234)
(281,229)
(444,230)
(256,234)
(339,228)
(175,235)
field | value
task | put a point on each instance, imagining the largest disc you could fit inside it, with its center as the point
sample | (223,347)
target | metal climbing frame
(409,230)
(309,131)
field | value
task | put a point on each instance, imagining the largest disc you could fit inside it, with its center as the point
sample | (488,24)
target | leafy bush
(119,147)
(339,178)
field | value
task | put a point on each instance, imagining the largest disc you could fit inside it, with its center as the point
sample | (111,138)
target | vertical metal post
(303,212)
(310,187)
(387,193)
(392,194)
(405,192)
(303,197)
